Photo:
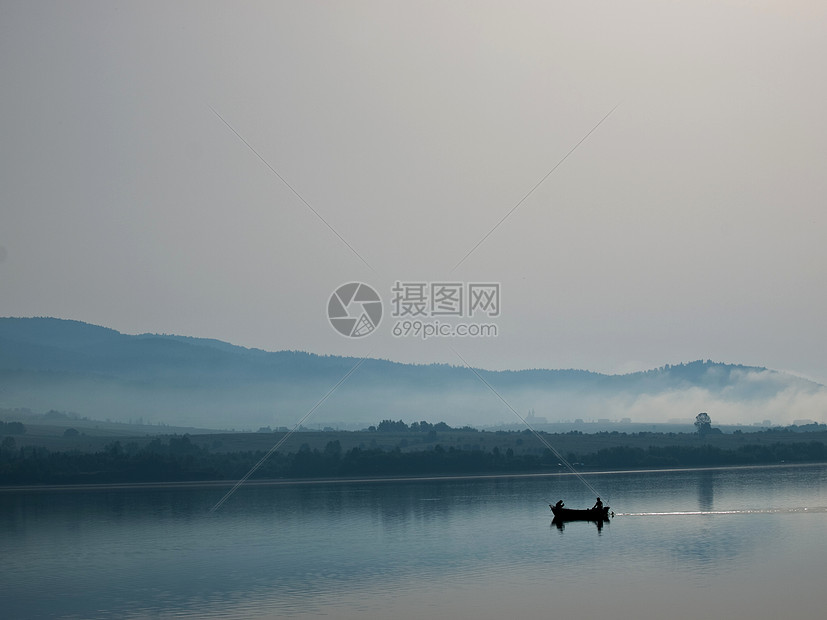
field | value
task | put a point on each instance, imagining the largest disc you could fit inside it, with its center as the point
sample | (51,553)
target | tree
(8,445)
(333,450)
(703,423)
(15,428)
(389,426)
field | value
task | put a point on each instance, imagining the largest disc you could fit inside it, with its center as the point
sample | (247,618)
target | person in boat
(598,505)
(559,504)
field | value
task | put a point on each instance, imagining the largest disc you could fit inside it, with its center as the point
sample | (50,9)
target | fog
(457,397)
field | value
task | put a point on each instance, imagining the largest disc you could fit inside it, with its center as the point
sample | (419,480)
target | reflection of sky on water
(301,546)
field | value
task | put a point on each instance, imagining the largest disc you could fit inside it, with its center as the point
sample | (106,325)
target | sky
(644,180)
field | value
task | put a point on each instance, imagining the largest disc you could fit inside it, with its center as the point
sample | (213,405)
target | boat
(570,514)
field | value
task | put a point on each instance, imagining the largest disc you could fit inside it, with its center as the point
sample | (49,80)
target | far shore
(46,458)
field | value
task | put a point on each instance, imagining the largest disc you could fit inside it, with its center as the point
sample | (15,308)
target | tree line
(12,428)
(399,426)
(177,458)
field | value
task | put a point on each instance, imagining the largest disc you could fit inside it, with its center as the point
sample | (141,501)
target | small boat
(590,514)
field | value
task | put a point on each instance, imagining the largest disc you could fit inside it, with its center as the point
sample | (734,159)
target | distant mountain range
(94,371)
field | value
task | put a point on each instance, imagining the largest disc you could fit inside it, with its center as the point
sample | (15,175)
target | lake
(735,543)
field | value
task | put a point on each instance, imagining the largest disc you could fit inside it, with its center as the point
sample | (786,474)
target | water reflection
(560,524)
(285,550)
(706,487)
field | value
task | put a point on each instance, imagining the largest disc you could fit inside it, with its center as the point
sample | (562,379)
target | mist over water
(683,544)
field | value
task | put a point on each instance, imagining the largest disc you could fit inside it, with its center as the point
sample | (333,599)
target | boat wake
(692,513)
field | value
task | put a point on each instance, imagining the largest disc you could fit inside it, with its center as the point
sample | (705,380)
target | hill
(98,372)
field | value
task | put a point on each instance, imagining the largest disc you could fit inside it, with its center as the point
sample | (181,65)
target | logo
(354,309)
(432,299)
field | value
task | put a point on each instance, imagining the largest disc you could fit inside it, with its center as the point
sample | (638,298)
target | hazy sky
(690,224)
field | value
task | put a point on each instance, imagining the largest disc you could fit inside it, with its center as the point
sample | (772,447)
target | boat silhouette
(589,514)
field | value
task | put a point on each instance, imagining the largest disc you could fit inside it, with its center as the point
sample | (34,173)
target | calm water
(737,543)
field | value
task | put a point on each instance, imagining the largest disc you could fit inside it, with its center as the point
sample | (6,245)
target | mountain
(94,371)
